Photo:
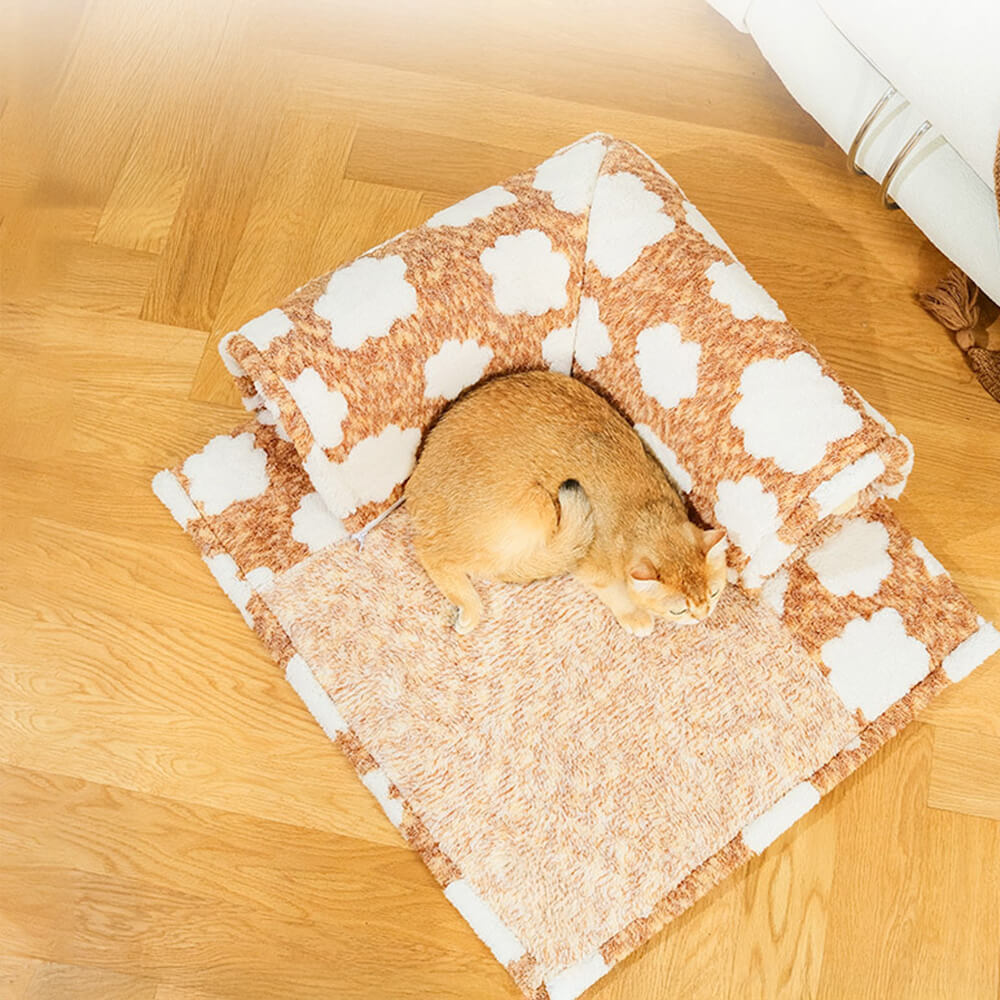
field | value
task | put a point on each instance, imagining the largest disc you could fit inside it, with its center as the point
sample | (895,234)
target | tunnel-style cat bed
(573,787)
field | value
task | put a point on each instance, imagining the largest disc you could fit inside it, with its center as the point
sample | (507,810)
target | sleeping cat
(533,475)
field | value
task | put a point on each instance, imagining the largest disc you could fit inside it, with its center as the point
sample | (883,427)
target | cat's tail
(573,536)
(576,522)
(551,554)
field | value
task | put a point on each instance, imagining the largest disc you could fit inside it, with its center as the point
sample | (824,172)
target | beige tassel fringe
(986,365)
(954,303)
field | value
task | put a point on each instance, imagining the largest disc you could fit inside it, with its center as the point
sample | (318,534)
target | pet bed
(572,787)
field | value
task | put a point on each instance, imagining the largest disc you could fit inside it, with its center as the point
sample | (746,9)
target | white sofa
(838,58)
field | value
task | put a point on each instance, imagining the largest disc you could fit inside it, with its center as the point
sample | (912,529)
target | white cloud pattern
(732,285)
(773,591)
(934,567)
(747,511)
(874,662)
(314,525)
(262,330)
(667,457)
(476,206)
(790,411)
(529,276)
(625,218)
(375,465)
(364,299)
(592,340)
(570,176)
(223,567)
(557,349)
(854,560)
(324,408)
(668,365)
(226,470)
(698,222)
(455,366)
(785,813)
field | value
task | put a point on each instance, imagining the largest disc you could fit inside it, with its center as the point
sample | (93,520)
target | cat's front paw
(637,622)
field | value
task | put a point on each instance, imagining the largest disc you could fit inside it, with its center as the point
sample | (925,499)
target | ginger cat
(533,475)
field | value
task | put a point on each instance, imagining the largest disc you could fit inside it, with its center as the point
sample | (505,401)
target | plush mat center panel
(575,773)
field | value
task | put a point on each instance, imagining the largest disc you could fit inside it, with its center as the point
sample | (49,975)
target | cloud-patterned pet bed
(572,787)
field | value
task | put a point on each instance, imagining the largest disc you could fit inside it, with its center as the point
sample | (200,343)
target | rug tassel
(954,303)
(986,365)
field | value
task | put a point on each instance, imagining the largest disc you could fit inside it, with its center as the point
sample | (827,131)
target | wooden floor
(172,824)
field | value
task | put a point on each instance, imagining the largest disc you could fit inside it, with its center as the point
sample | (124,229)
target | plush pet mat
(571,787)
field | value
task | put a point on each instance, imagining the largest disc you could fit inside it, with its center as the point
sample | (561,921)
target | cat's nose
(701,612)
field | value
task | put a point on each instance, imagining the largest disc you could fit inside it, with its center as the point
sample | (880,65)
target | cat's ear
(713,543)
(643,574)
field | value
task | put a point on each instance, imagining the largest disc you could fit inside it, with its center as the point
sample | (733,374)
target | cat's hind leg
(455,584)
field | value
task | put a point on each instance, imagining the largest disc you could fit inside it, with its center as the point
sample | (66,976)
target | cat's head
(682,582)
